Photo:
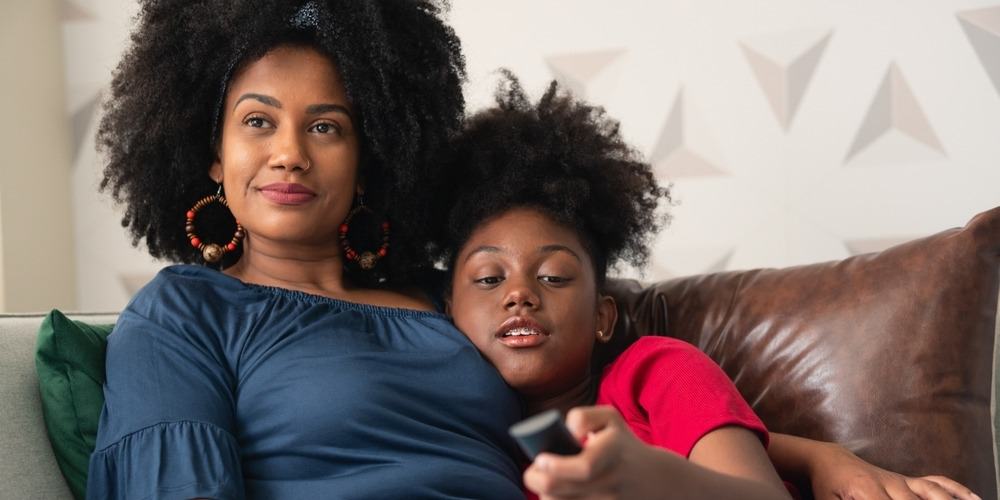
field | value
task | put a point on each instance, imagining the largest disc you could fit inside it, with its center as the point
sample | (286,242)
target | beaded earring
(367,259)
(211,252)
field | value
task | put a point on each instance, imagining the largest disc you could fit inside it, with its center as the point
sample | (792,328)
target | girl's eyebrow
(484,248)
(542,249)
(559,248)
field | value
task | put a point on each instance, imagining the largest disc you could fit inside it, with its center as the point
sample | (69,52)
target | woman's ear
(607,316)
(215,171)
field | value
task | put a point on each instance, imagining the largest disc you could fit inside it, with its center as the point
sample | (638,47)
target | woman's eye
(325,128)
(256,122)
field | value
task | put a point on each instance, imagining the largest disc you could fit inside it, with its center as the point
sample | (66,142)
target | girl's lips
(287,194)
(532,339)
(520,331)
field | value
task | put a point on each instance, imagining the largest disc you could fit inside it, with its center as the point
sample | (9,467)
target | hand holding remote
(544,432)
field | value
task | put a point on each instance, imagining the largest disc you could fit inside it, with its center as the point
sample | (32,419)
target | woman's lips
(287,194)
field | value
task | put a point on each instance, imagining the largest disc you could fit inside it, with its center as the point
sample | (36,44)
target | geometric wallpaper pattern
(792,131)
(894,108)
(783,66)
(982,26)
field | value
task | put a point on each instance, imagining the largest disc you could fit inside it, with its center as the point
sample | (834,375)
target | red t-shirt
(671,394)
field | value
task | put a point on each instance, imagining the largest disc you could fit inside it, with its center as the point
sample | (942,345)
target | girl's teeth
(517,332)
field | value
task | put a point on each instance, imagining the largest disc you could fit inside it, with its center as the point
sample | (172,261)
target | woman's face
(524,292)
(288,158)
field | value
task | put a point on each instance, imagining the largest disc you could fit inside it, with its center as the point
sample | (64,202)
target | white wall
(95,34)
(37,261)
(793,130)
(691,80)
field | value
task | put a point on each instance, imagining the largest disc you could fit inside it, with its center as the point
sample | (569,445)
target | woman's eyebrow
(318,109)
(315,109)
(270,101)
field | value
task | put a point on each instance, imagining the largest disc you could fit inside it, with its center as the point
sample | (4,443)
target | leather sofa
(890,354)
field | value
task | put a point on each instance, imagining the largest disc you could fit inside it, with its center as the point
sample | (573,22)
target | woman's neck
(582,394)
(308,269)
(317,271)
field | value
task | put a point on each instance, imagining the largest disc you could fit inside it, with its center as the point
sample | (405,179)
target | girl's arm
(729,462)
(834,472)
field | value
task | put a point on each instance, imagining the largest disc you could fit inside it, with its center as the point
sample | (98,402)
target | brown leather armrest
(889,354)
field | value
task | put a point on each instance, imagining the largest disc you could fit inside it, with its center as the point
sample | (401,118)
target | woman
(287,374)
(545,197)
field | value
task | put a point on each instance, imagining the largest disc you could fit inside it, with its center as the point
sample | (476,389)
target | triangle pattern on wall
(133,282)
(982,27)
(71,11)
(684,146)
(894,108)
(577,70)
(659,271)
(81,121)
(783,66)
(871,245)
(720,265)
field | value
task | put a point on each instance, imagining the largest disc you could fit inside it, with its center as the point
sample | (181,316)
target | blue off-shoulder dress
(220,389)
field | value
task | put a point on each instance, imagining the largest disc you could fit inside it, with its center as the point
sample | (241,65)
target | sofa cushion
(889,354)
(34,473)
(70,364)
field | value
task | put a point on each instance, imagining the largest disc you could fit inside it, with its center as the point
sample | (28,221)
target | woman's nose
(289,151)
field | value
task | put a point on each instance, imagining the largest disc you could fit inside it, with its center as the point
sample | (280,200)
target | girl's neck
(582,394)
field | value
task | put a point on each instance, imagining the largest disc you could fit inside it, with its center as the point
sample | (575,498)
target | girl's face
(524,292)
(288,158)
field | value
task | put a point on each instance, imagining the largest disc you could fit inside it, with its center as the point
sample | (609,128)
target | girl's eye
(489,280)
(325,128)
(554,280)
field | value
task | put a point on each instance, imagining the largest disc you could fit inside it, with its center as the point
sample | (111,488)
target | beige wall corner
(37,260)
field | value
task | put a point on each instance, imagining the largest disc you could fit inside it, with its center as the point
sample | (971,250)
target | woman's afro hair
(560,156)
(402,68)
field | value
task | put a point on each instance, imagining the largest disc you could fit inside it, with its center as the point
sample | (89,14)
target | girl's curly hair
(401,65)
(561,156)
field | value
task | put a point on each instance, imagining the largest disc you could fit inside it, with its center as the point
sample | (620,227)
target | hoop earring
(211,252)
(367,259)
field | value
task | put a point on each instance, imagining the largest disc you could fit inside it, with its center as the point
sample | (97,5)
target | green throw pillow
(70,365)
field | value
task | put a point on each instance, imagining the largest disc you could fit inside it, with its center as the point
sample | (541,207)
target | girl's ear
(607,316)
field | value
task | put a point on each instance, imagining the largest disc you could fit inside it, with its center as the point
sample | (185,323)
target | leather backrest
(889,354)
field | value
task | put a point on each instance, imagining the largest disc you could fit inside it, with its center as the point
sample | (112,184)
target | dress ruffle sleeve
(167,428)
(168,460)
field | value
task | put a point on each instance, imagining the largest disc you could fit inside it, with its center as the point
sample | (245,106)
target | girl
(545,198)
